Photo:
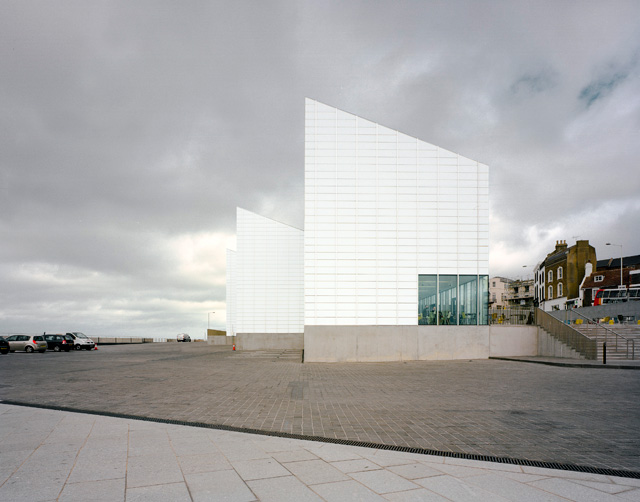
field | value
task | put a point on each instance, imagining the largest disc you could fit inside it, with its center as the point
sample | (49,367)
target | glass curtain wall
(483,295)
(447,299)
(453,300)
(428,290)
(468,299)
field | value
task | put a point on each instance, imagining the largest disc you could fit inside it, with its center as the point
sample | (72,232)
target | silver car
(28,343)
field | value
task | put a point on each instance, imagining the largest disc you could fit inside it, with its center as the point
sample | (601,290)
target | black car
(4,346)
(59,342)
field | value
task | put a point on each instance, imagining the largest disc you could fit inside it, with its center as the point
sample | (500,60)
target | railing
(567,334)
(520,316)
(578,318)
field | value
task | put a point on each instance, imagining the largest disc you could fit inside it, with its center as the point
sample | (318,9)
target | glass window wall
(468,299)
(483,299)
(447,299)
(453,300)
(428,289)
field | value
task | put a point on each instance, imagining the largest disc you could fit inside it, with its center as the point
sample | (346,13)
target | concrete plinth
(269,341)
(395,343)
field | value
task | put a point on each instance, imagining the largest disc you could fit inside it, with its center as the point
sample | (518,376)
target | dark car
(59,342)
(4,346)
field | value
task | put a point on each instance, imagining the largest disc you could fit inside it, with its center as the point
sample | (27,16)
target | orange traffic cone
(95,347)
(234,346)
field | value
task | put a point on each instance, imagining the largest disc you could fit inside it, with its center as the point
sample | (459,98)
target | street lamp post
(620,246)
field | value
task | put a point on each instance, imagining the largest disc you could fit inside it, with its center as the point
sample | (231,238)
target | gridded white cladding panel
(269,275)
(382,207)
(231,292)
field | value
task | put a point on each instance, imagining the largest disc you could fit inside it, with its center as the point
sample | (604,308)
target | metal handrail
(567,334)
(606,331)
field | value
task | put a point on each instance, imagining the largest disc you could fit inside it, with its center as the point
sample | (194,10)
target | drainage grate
(348,442)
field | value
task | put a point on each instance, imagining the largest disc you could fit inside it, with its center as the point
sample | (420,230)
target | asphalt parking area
(580,416)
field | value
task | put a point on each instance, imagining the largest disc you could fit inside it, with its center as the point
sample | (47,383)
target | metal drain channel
(348,442)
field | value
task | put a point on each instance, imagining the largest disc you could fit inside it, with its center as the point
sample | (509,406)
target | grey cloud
(127,126)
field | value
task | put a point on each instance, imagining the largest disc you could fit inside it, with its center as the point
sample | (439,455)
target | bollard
(604,353)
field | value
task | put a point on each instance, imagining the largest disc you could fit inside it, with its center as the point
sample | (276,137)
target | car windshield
(38,338)
(80,335)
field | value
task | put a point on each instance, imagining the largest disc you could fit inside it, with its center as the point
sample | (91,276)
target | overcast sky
(130,131)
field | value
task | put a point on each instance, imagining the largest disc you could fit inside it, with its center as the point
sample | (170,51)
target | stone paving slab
(283,469)
(583,416)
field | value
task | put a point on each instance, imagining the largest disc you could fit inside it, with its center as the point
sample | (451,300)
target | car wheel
(56,348)
(78,347)
(29,348)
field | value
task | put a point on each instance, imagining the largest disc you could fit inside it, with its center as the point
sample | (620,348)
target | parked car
(183,337)
(81,341)
(28,343)
(59,342)
(4,346)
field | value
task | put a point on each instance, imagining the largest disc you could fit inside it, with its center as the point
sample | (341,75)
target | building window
(550,276)
(559,289)
(427,292)
(526,289)
(453,299)
(559,273)
(447,299)
(468,300)
(550,292)
(598,278)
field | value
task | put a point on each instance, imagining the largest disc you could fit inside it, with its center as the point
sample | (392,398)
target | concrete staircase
(616,345)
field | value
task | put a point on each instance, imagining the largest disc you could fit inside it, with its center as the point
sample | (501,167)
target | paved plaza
(49,455)
(568,415)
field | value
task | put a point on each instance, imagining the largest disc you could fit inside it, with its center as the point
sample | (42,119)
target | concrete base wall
(262,341)
(513,341)
(395,343)
(221,340)
(408,343)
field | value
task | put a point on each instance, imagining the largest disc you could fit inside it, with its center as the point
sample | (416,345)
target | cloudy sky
(130,131)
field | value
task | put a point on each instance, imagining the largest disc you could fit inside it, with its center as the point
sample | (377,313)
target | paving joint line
(347,442)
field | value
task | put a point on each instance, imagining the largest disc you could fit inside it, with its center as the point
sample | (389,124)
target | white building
(266,294)
(396,247)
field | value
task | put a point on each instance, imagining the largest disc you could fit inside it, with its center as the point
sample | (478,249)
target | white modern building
(265,290)
(395,253)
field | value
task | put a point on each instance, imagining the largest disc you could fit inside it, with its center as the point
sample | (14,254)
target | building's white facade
(381,208)
(267,287)
(394,259)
